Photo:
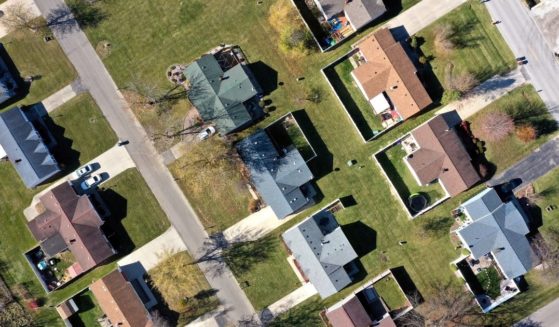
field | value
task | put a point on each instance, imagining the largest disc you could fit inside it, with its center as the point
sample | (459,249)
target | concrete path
(26,3)
(289,301)
(421,15)
(546,16)
(486,93)
(544,317)
(59,98)
(112,162)
(104,91)
(526,40)
(255,226)
(149,255)
(541,161)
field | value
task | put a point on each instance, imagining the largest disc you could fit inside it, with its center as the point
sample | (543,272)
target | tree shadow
(363,238)
(77,13)
(460,35)
(324,162)
(113,227)
(22,87)
(406,283)
(266,76)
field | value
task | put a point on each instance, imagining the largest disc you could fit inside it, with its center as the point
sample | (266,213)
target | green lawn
(480,49)
(524,105)
(89,310)
(81,130)
(177,31)
(44,60)
(489,280)
(392,161)
(547,187)
(388,289)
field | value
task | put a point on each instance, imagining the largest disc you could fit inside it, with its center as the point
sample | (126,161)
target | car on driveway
(91,182)
(206,133)
(83,171)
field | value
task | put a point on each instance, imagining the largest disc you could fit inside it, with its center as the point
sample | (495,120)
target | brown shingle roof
(389,69)
(350,314)
(119,301)
(442,155)
(75,219)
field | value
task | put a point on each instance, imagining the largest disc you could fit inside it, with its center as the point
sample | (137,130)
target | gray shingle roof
(498,228)
(322,250)
(25,148)
(359,12)
(277,175)
(226,98)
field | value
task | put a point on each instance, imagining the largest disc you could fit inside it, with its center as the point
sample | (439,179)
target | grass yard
(89,310)
(490,280)
(388,289)
(44,60)
(72,125)
(546,187)
(524,105)
(479,47)
(392,161)
(355,103)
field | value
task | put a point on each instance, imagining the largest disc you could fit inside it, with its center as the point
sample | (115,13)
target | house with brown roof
(70,222)
(362,309)
(435,152)
(120,302)
(388,79)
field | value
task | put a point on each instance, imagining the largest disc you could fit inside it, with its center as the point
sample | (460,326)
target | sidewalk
(255,226)
(59,98)
(484,94)
(289,301)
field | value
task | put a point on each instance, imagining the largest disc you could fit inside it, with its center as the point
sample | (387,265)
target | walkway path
(541,161)
(104,91)
(111,163)
(525,39)
(255,226)
(289,301)
(25,3)
(486,93)
(59,98)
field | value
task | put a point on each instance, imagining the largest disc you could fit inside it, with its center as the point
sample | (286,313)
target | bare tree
(19,16)
(463,82)
(548,254)
(443,40)
(495,126)
(159,320)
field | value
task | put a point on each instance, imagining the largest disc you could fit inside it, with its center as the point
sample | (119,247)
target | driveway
(526,40)
(544,317)
(111,163)
(546,15)
(541,161)
(255,226)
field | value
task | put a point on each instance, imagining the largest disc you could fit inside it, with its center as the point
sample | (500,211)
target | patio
(337,29)
(55,270)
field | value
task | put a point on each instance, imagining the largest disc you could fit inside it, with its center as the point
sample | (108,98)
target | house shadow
(407,284)
(348,201)
(22,87)
(67,157)
(266,76)
(171,316)
(324,162)
(363,238)
(113,227)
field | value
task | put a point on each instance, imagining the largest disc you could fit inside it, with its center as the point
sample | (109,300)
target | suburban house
(119,301)
(362,308)
(68,222)
(27,143)
(223,89)
(347,16)
(434,151)
(280,174)
(388,79)
(494,232)
(8,85)
(322,252)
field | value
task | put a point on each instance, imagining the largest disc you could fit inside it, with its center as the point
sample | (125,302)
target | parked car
(91,182)
(206,133)
(83,171)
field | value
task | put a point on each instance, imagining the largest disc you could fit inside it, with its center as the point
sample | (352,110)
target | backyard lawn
(388,289)
(89,310)
(45,61)
(479,48)
(523,105)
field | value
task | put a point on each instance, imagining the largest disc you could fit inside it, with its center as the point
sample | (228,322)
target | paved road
(97,80)
(537,164)
(524,38)
(544,317)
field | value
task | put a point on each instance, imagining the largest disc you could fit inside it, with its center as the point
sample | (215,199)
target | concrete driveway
(546,16)
(255,226)
(112,162)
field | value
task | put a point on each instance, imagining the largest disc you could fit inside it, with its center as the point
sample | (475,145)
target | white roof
(380,103)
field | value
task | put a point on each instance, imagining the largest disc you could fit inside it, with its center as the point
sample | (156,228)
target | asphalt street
(104,91)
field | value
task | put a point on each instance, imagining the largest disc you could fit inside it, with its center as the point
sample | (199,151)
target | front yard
(525,107)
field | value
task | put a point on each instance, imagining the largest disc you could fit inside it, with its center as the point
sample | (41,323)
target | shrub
(423,60)
(413,42)
(450,96)
(483,171)
(495,126)
(293,34)
(462,83)
(526,133)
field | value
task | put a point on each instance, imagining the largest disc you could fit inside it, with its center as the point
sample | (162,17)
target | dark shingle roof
(25,148)
(278,177)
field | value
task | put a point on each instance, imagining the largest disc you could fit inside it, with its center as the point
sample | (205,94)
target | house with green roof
(225,93)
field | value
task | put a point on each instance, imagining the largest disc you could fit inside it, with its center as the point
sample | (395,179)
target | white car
(206,133)
(83,171)
(91,182)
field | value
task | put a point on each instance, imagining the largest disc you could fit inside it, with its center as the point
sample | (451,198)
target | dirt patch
(103,49)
